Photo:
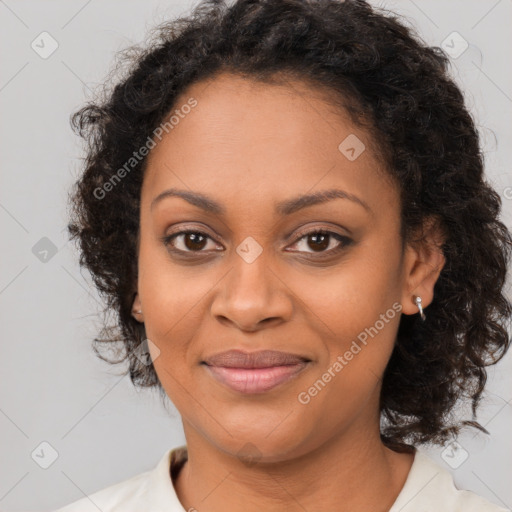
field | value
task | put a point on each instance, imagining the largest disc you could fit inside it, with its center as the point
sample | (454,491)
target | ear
(423,262)
(137,309)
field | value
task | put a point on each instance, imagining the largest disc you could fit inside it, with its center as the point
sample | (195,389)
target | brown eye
(187,241)
(321,241)
(318,241)
(194,241)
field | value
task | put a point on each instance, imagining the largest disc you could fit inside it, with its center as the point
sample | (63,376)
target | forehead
(257,141)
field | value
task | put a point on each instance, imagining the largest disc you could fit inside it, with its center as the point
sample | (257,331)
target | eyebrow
(286,207)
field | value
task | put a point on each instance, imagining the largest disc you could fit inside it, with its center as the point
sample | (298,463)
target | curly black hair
(390,82)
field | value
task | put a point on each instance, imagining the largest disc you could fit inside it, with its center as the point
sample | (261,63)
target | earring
(418,303)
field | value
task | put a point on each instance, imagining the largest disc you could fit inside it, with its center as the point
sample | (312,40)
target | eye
(190,241)
(322,241)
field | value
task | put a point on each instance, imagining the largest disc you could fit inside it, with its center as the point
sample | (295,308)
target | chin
(252,445)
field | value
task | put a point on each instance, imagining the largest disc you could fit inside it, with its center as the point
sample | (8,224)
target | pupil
(323,244)
(194,237)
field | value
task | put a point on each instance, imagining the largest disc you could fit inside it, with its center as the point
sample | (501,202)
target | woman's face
(254,280)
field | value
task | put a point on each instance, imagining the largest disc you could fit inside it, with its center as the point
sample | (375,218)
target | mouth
(256,372)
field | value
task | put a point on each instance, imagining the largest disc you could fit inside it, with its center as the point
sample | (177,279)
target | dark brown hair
(400,89)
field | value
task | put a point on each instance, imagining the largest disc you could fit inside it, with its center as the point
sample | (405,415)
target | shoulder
(152,490)
(430,487)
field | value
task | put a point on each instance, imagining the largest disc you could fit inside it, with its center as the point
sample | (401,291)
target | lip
(254,372)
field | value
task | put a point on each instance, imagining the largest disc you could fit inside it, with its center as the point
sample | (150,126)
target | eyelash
(344,242)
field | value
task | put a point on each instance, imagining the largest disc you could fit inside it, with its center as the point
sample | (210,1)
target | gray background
(53,388)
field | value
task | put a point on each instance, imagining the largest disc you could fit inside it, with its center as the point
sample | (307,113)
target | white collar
(428,488)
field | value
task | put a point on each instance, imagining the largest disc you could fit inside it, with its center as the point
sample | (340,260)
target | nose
(252,296)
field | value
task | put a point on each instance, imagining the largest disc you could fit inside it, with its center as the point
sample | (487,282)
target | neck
(352,471)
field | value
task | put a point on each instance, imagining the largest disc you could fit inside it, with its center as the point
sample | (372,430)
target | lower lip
(255,380)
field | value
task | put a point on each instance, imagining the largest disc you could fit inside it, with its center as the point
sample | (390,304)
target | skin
(249,145)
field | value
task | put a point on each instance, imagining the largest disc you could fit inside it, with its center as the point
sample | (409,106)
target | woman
(284,202)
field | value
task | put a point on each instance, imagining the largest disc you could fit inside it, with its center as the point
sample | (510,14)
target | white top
(428,488)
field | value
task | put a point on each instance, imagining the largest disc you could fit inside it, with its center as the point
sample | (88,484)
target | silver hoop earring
(418,303)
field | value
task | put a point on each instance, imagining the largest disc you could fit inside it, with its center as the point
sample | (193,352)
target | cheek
(356,311)
(345,300)
(173,310)
(171,295)
(347,382)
